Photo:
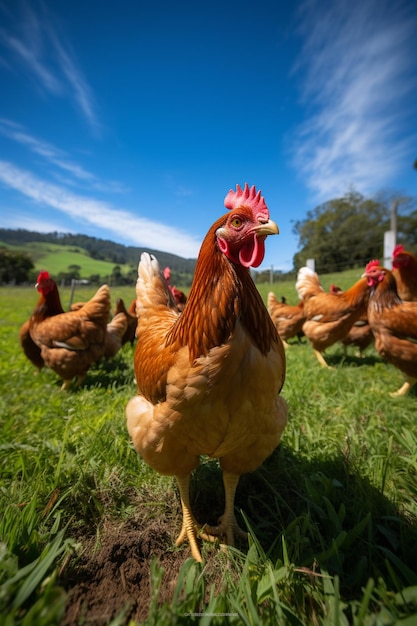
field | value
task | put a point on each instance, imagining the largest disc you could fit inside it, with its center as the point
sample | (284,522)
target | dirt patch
(116,577)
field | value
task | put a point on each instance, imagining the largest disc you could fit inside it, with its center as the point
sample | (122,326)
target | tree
(15,267)
(342,233)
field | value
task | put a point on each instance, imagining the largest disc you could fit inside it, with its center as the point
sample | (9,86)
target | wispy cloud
(130,228)
(357,69)
(35,41)
(57,157)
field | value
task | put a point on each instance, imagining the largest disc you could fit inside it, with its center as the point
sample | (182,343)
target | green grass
(332,513)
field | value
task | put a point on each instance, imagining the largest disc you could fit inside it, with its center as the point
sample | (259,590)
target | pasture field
(87,530)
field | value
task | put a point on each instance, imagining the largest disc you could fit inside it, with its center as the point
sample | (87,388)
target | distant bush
(15,267)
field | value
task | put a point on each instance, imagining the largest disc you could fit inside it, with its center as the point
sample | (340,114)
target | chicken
(179,296)
(130,333)
(360,335)
(43,310)
(115,331)
(70,342)
(329,316)
(209,378)
(404,266)
(394,323)
(288,319)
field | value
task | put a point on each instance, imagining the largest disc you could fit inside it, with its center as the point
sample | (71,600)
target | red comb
(247,197)
(43,276)
(371,265)
(399,248)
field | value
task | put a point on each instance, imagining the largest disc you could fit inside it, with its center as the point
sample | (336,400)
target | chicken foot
(190,527)
(227,524)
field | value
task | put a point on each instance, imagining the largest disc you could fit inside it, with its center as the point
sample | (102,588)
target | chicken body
(404,266)
(394,324)
(44,308)
(360,334)
(208,378)
(288,319)
(70,342)
(329,316)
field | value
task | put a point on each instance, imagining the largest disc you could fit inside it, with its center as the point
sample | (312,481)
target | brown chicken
(329,316)
(288,319)
(208,378)
(130,333)
(179,296)
(404,268)
(115,331)
(70,342)
(360,335)
(394,324)
(44,309)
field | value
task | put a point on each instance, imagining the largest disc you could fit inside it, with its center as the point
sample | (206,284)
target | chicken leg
(228,526)
(189,528)
(405,388)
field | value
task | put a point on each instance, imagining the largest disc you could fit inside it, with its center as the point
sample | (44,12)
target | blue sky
(131,121)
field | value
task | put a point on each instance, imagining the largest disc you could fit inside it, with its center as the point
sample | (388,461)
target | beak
(267,228)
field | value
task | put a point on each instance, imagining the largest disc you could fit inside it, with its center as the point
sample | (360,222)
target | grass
(332,514)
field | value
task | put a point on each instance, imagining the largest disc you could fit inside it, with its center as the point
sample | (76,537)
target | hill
(58,252)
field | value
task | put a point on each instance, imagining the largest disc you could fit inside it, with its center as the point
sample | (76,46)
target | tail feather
(98,307)
(271,300)
(308,283)
(151,287)
(114,335)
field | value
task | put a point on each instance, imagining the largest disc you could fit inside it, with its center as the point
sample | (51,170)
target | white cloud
(48,57)
(56,157)
(357,87)
(128,227)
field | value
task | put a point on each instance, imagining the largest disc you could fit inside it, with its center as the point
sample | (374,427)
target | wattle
(252,254)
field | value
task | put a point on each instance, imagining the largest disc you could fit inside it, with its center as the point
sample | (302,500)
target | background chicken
(44,308)
(360,335)
(130,333)
(208,379)
(288,319)
(329,316)
(404,268)
(179,296)
(394,323)
(69,342)
(115,331)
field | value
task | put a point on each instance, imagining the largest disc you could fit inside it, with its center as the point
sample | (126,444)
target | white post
(390,237)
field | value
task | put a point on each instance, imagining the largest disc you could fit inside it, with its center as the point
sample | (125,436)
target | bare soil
(116,577)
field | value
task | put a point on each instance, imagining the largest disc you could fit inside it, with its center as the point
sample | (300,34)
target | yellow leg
(189,525)
(402,391)
(321,360)
(228,526)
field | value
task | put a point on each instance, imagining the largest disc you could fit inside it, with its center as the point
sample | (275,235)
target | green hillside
(56,259)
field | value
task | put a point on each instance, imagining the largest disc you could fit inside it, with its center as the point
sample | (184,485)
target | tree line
(339,234)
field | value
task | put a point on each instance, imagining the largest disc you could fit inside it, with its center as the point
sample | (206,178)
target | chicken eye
(236,222)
